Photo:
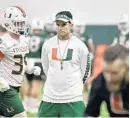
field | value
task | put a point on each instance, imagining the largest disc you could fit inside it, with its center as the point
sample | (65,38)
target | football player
(123,27)
(12,61)
(35,40)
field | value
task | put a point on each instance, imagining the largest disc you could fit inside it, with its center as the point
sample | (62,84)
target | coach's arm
(85,62)
(44,58)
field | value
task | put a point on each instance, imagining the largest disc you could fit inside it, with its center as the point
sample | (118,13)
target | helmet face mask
(15,21)
(123,24)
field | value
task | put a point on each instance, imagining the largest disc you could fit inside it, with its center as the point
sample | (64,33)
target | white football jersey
(12,62)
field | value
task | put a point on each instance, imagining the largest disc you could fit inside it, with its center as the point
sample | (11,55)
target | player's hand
(3,86)
(36,70)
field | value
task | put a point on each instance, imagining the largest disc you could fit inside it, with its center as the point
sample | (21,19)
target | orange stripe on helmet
(24,14)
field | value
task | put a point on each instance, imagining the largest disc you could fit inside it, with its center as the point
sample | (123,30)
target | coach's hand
(3,85)
(36,70)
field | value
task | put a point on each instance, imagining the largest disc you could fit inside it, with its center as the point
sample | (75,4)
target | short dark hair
(116,52)
(67,13)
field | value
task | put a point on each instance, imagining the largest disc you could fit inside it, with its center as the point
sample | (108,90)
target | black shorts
(31,77)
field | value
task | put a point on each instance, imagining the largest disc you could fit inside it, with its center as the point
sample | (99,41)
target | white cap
(37,24)
(124,19)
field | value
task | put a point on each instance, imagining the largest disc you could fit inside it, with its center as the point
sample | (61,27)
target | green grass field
(104,112)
